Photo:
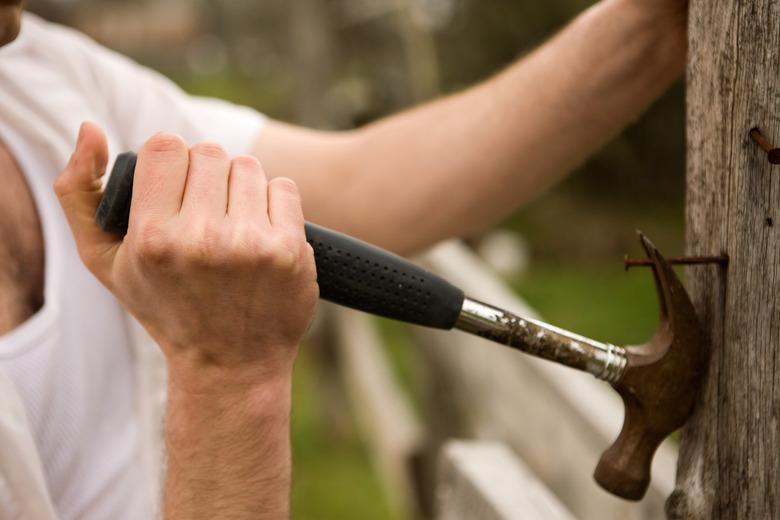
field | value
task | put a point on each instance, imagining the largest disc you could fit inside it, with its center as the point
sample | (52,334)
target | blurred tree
(310,44)
(420,51)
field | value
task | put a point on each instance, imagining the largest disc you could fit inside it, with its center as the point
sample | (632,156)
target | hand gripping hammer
(658,380)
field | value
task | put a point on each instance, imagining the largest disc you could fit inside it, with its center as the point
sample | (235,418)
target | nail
(773,154)
(722,261)
(80,136)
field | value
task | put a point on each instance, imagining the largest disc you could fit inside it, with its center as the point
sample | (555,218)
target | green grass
(402,357)
(604,303)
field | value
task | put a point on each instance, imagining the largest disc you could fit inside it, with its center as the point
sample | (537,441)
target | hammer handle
(350,272)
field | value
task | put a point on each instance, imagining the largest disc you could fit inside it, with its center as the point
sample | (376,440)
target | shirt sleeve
(140,102)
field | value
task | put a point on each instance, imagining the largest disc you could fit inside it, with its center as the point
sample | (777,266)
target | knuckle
(203,247)
(248,247)
(285,185)
(247,162)
(209,150)
(272,253)
(285,260)
(165,142)
(293,243)
(152,245)
(287,253)
(62,185)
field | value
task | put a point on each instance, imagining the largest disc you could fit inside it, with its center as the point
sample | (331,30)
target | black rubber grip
(113,212)
(353,273)
(350,272)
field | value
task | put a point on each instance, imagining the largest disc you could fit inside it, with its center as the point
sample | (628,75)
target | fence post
(729,461)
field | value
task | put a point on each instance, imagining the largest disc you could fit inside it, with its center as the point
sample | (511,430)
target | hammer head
(659,387)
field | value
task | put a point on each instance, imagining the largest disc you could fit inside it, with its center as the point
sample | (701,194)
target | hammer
(658,380)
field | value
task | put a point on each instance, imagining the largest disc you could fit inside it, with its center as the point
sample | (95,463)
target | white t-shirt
(72,364)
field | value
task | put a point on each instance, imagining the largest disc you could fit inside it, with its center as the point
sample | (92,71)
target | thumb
(79,190)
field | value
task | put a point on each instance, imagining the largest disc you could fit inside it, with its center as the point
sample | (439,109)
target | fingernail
(81,134)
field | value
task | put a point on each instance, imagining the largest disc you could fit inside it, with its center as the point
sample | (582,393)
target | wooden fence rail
(485,480)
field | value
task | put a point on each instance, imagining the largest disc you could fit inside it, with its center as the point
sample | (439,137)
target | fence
(530,431)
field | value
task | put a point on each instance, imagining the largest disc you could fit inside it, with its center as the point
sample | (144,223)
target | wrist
(664,23)
(204,396)
(205,369)
(664,14)
(191,377)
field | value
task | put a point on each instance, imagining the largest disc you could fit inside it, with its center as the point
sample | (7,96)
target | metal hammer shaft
(603,360)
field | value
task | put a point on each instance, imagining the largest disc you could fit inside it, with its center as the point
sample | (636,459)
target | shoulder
(40,34)
(51,66)
(63,50)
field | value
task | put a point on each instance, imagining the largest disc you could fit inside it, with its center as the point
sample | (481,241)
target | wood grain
(729,456)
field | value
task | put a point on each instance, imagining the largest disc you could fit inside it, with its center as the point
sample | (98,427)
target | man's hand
(215,263)
(216,266)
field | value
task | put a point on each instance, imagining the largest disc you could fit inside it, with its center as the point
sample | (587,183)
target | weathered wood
(558,420)
(485,480)
(384,415)
(730,451)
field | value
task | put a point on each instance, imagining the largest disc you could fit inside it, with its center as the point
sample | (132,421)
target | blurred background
(342,63)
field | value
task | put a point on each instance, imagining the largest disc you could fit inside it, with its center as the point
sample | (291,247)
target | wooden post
(730,451)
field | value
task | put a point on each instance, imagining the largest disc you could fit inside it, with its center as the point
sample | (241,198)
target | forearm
(461,163)
(228,450)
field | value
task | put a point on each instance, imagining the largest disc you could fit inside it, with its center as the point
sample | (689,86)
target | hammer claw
(659,386)
(661,277)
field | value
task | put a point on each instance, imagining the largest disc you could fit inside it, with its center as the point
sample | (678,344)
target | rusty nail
(723,261)
(773,154)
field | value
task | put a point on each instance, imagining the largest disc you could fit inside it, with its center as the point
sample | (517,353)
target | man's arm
(229,450)
(216,267)
(461,163)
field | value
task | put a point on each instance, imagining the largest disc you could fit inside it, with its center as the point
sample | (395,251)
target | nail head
(774,156)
